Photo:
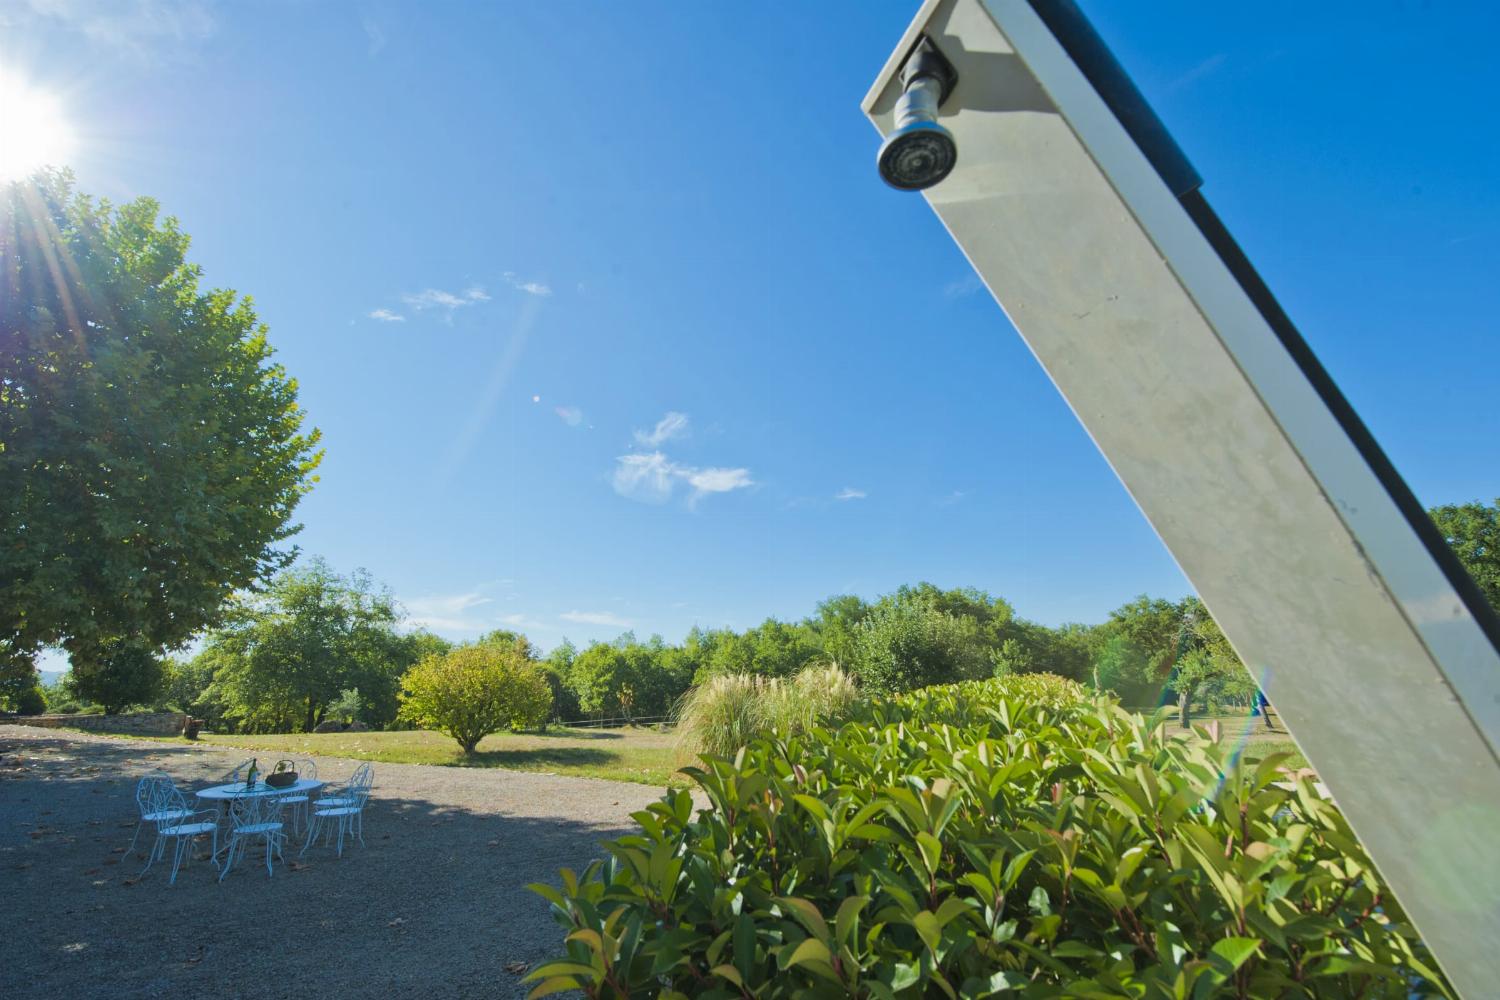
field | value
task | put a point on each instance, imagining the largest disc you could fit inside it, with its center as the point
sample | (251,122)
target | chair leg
(312,834)
(184,844)
(156,848)
(135,836)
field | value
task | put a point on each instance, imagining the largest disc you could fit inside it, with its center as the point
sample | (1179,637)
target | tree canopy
(475,690)
(1473,531)
(284,656)
(151,454)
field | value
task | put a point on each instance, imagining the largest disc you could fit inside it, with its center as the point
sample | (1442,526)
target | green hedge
(1044,848)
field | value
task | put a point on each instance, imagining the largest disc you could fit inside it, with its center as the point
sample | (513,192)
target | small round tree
(474,691)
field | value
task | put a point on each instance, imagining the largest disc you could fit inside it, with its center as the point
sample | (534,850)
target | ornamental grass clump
(727,711)
(1032,849)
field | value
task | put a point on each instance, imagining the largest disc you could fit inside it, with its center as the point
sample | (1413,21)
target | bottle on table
(250,774)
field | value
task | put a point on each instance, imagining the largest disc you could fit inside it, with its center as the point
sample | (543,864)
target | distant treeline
(316,647)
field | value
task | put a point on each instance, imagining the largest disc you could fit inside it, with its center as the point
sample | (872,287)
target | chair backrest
(253,810)
(307,768)
(171,798)
(149,789)
(361,783)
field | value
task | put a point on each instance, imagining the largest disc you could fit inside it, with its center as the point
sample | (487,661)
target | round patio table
(220,794)
(235,789)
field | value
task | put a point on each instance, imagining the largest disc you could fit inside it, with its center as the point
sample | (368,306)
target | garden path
(435,905)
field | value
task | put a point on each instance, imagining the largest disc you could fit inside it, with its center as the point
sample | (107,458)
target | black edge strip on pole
(1103,71)
(1100,67)
(1255,288)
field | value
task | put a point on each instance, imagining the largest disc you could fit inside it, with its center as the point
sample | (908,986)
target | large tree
(1473,531)
(285,655)
(151,454)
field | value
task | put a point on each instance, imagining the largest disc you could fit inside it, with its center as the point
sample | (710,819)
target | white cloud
(951,498)
(1198,72)
(717,480)
(850,493)
(671,426)
(149,29)
(570,415)
(374,34)
(465,614)
(653,478)
(649,478)
(448,612)
(436,298)
(596,618)
(963,287)
(529,287)
(522,622)
(386,316)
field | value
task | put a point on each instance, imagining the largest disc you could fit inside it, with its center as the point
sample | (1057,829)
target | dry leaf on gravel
(397,922)
(516,968)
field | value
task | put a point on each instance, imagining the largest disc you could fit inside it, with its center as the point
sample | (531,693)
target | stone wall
(143,723)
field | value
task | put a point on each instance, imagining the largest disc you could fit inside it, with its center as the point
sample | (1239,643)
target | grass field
(644,756)
(640,755)
(1250,733)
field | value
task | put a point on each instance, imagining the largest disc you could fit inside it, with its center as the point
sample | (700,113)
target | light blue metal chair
(343,811)
(251,816)
(186,826)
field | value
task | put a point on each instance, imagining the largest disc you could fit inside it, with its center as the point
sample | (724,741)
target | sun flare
(34,130)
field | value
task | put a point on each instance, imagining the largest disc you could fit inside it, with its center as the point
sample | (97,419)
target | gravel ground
(434,905)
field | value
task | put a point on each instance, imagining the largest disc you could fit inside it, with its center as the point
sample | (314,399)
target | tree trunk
(312,721)
(1184,709)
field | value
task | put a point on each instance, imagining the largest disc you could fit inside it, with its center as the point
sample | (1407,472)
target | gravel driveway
(434,905)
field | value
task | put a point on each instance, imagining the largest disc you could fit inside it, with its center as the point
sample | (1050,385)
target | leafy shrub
(473,691)
(1029,849)
(124,673)
(974,702)
(911,642)
(31,701)
(729,710)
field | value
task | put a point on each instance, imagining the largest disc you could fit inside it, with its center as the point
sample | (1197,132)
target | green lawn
(1251,733)
(644,756)
(640,755)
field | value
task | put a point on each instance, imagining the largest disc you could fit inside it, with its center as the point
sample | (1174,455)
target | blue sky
(608,321)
